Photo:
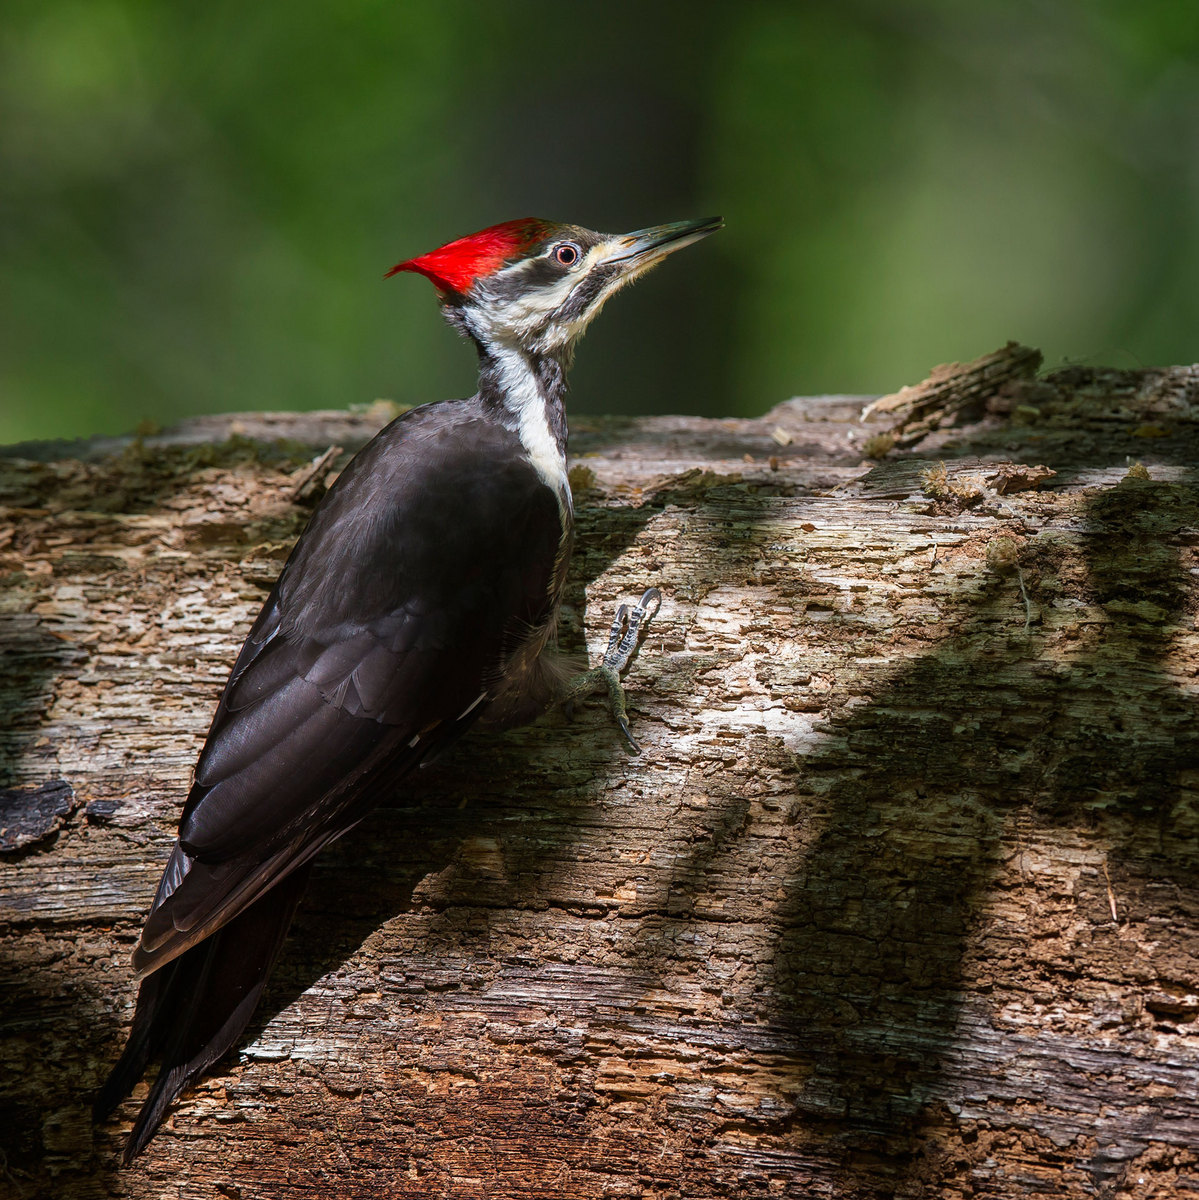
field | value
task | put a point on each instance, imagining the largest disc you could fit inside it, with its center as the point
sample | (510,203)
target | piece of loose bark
(309,482)
(952,390)
(29,815)
(1016,477)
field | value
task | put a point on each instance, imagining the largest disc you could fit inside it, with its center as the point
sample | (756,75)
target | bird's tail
(192,1010)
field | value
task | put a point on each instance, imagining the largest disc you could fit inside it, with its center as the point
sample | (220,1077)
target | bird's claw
(623,722)
(626,627)
(622,644)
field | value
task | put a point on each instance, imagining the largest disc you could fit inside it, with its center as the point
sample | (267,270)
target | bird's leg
(622,645)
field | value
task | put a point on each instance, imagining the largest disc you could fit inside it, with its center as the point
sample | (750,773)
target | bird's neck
(527,392)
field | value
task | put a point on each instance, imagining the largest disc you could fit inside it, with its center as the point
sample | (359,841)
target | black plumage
(421,599)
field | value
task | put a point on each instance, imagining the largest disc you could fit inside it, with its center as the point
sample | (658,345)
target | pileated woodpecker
(421,600)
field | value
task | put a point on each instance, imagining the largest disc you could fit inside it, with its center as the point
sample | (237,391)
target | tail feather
(194,1009)
(145,1041)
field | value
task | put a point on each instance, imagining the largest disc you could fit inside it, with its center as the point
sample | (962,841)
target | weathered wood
(951,391)
(900,900)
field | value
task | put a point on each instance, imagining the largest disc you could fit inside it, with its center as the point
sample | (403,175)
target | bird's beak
(637,252)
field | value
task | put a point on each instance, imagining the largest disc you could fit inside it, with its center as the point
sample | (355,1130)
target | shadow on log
(901,899)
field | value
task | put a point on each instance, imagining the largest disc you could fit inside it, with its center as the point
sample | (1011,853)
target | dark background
(199,201)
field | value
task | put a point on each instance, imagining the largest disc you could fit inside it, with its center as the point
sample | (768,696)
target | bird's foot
(622,645)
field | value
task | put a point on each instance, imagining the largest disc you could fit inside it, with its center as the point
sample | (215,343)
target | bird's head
(534,285)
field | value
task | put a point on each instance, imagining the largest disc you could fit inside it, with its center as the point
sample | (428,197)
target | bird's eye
(567,254)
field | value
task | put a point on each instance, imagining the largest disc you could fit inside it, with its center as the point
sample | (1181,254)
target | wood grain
(901,899)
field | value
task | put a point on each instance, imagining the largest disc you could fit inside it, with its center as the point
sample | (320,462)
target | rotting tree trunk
(900,900)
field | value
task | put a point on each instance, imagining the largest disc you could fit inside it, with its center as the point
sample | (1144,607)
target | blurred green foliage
(199,201)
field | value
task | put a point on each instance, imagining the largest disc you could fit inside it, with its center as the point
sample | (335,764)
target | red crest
(456,266)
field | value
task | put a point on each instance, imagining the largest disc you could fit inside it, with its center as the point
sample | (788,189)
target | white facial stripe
(568,334)
(529,313)
(519,318)
(590,259)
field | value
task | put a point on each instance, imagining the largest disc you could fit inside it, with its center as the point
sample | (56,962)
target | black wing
(376,646)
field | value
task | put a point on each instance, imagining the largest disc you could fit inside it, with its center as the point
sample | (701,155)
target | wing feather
(386,626)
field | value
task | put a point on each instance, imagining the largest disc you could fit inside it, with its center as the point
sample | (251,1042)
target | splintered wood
(952,390)
(901,898)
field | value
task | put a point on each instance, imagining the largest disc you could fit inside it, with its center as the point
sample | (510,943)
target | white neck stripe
(523,398)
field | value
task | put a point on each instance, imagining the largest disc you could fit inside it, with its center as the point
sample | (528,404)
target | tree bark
(900,899)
